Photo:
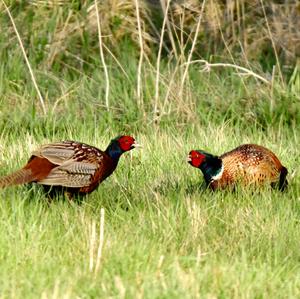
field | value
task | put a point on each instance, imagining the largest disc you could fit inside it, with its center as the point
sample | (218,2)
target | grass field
(151,230)
(165,236)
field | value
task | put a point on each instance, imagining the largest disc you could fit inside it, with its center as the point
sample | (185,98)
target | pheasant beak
(188,159)
(136,145)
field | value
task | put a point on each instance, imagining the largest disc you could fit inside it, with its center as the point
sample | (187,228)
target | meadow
(152,229)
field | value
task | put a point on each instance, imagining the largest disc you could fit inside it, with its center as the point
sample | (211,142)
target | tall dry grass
(254,38)
(249,30)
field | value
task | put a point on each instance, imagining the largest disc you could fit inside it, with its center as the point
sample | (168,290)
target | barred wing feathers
(77,164)
(57,153)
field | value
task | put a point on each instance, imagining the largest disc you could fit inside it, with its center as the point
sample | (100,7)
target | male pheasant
(76,167)
(247,164)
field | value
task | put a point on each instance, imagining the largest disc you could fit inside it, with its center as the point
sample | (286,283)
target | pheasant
(75,167)
(247,164)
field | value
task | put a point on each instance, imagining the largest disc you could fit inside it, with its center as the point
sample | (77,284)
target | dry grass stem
(169,30)
(92,244)
(245,72)
(26,58)
(159,58)
(141,52)
(101,240)
(272,41)
(192,49)
(225,41)
(102,57)
(116,60)
(169,87)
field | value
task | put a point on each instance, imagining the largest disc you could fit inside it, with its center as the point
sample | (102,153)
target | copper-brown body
(77,167)
(250,164)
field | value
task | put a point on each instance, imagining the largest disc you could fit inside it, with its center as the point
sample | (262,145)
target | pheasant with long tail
(77,167)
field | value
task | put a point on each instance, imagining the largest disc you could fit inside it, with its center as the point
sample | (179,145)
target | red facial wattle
(196,159)
(126,143)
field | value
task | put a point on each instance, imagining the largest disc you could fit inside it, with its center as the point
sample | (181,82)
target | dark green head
(120,145)
(209,164)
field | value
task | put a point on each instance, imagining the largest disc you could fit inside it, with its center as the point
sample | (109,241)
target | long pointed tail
(283,183)
(21,176)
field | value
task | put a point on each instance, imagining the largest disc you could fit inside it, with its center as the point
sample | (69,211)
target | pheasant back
(251,164)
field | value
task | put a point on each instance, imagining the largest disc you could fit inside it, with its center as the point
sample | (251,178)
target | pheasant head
(120,145)
(210,165)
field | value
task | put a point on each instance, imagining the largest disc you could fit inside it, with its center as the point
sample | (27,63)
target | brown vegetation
(250,30)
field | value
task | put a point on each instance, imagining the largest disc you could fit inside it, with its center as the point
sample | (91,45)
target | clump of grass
(240,28)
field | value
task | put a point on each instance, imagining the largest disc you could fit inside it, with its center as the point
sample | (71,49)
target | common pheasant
(246,164)
(75,167)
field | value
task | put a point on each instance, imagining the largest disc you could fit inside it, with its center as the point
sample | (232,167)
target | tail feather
(18,177)
(283,183)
